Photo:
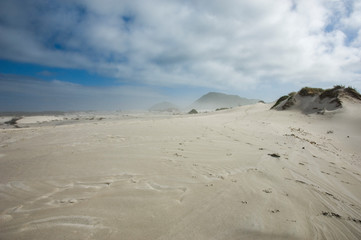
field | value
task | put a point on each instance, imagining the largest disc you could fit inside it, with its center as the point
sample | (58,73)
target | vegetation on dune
(281,99)
(307,91)
(289,98)
(330,93)
(290,101)
(336,90)
(292,94)
(353,93)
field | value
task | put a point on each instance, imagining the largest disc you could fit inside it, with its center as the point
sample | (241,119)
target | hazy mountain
(214,100)
(164,107)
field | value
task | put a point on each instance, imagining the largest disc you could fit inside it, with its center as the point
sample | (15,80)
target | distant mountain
(164,107)
(317,100)
(214,100)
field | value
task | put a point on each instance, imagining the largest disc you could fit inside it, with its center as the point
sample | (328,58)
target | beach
(242,173)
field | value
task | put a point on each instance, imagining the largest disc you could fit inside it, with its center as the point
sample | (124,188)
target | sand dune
(245,173)
(317,100)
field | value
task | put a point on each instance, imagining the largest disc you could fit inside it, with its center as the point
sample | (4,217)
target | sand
(244,173)
(39,119)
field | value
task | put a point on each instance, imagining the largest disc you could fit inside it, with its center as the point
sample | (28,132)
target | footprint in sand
(221,177)
(345,182)
(274,211)
(71,200)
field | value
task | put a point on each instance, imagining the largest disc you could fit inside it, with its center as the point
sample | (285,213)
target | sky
(119,55)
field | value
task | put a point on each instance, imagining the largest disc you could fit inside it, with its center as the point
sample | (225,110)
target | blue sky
(111,55)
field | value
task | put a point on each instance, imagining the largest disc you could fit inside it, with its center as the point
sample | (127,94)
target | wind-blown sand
(205,176)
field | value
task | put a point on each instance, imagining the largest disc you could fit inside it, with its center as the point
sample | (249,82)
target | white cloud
(216,44)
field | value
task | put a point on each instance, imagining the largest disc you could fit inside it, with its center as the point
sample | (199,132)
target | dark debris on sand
(13,121)
(275,155)
(332,214)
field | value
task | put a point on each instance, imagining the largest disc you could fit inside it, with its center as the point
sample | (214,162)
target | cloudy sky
(120,54)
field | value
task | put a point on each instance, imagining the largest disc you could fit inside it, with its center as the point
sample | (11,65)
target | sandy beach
(243,173)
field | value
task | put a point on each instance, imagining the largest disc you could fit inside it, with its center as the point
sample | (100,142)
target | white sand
(39,119)
(206,176)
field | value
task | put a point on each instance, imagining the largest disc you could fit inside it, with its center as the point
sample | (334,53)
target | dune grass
(307,91)
(281,99)
(353,93)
